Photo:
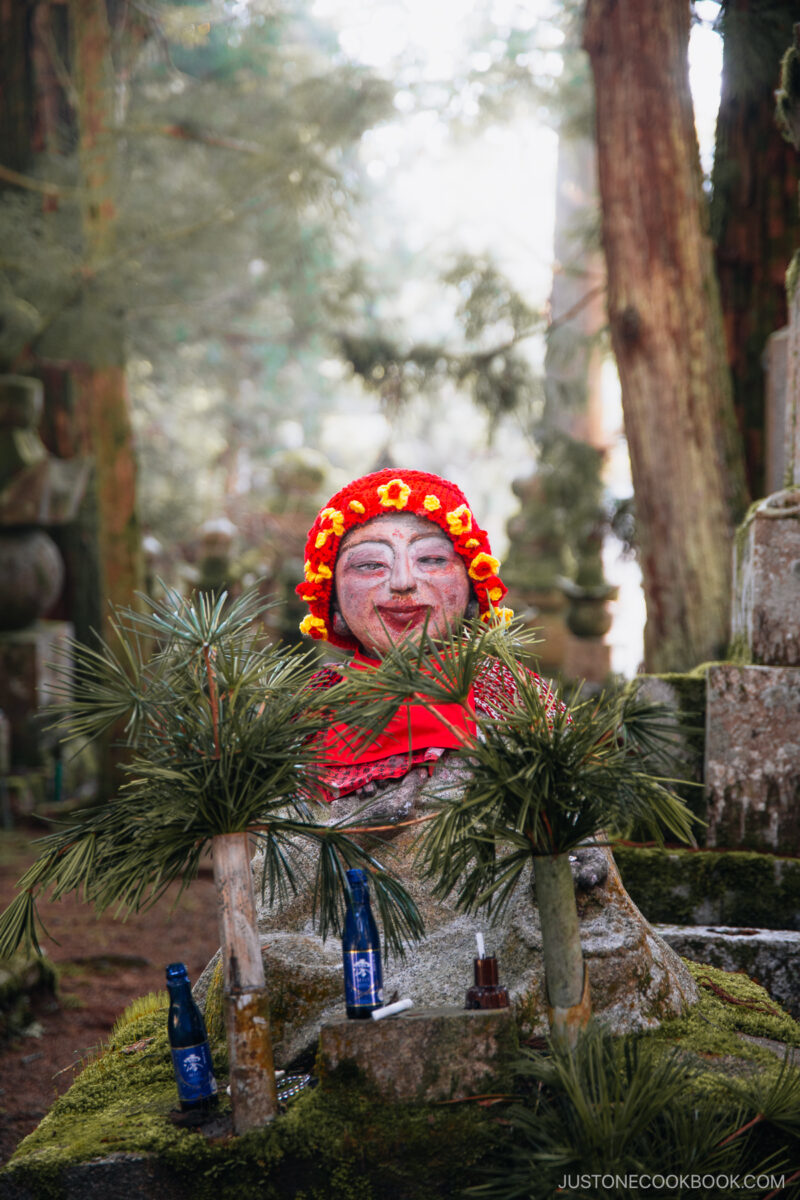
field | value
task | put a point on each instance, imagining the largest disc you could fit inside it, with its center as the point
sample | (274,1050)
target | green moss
(737,887)
(714,1033)
(214,1011)
(340,1143)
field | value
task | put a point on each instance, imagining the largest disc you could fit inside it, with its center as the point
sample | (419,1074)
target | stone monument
(752,751)
(37,491)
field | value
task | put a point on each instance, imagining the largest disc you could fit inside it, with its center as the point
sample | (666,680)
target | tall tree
(666,326)
(87,397)
(754,210)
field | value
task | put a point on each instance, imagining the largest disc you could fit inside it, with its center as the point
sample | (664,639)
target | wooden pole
(252,1071)
(566,978)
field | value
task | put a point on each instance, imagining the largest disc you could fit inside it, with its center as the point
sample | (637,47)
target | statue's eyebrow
(379,541)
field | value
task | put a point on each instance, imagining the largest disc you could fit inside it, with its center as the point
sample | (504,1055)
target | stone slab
(752,758)
(766,602)
(770,956)
(424,1055)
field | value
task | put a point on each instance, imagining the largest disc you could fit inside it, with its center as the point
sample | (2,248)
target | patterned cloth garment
(495,690)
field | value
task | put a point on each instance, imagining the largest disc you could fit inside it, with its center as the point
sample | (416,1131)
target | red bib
(413,727)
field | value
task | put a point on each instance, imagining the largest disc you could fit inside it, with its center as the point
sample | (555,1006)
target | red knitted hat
(385,492)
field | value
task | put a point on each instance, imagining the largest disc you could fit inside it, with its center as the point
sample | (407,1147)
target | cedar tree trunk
(754,210)
(100,388)
(666,327)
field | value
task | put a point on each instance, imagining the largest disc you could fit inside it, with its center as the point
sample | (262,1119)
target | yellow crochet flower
(459,520)
(498,616)
(394,494)
(472,543)
(322,573)
(356,506)
(495,594)
(315,626)
(431,503)
(335,526)
(482,566)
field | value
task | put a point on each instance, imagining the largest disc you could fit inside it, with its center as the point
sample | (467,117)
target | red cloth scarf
(414,727)
(495,690)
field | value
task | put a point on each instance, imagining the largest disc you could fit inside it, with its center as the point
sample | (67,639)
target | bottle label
(194,1072)
(363,979)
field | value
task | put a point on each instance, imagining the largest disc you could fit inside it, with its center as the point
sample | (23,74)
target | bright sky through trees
(489,194)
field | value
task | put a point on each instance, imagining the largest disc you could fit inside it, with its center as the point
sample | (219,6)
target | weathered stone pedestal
(424,1055)
(752,761)
(766,606)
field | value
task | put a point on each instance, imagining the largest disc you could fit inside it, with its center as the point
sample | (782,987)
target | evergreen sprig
(621,1107)
(221,726)
(542,780)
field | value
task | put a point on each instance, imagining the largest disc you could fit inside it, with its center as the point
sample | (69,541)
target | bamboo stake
(566,979)
(252,1070)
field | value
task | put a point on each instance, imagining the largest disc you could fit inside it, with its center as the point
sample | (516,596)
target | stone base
(424,1055)
(28,682)
(766,602)
(752,758)
(770,956)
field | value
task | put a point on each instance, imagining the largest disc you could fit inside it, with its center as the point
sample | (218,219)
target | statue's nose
(402,577)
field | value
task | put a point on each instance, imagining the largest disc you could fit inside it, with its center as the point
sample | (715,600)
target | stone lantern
(37,491)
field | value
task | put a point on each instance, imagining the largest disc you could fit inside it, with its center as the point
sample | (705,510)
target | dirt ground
(103,965)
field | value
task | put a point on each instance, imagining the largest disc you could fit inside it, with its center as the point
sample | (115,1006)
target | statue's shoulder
(496,688)
(325,677)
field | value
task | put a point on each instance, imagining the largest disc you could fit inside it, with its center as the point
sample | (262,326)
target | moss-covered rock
(338,1143)
(732,888)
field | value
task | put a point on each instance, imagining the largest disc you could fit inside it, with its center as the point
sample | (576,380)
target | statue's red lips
(403,614)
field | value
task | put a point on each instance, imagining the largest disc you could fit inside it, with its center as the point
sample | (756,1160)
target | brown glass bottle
(486,992)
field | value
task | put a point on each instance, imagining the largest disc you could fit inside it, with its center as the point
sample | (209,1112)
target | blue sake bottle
(361,950)
(191,1054)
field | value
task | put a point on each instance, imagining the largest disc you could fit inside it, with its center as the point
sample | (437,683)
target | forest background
(255,247)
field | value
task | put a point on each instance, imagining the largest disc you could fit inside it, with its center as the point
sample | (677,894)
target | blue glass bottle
(191,1055)
(361,951)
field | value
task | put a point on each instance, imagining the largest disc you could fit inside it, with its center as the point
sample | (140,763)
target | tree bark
(754,209)
(666,327)
(100,390)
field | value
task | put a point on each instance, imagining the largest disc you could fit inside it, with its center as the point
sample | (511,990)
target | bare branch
(35,185)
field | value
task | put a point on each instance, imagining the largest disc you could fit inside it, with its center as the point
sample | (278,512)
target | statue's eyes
(370,564)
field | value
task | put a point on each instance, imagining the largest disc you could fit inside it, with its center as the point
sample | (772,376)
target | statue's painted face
(393,573)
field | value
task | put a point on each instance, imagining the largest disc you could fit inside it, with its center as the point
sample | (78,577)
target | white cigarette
(389,1009)
(481,947)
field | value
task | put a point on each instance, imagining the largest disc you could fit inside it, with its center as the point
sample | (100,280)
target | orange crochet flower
(482,566)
